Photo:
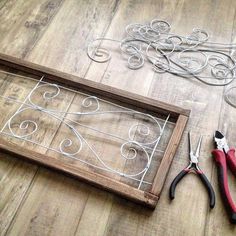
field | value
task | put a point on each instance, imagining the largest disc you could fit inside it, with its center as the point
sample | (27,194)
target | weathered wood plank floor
(54,33)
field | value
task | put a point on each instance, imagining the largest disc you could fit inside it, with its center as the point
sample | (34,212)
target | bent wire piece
(191,56)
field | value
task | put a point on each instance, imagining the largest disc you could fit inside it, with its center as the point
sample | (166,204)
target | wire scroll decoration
(191,56)
(24,125)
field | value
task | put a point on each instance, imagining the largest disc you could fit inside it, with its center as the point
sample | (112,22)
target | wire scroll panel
(82,129)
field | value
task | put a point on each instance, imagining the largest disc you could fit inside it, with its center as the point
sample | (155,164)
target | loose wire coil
(190,56)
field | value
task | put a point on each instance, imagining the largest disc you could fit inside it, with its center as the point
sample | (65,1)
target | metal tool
(193,167)
(224,156)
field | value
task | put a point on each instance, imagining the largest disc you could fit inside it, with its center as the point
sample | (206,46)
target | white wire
(171,56)
(130,144)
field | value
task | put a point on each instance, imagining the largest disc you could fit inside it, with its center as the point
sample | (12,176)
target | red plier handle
(222,160)
(231,160)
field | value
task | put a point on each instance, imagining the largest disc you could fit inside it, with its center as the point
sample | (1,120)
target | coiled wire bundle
(191,56)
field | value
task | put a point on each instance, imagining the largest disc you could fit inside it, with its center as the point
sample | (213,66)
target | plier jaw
(193,163)
(193,157)
(220,142)
(193,166)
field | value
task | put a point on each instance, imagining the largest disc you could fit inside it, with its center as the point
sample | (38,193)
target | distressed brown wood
(159,179)
(116,95)
(124,190)
(110,93)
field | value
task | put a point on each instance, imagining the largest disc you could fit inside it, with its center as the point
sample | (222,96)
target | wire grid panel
(87,131)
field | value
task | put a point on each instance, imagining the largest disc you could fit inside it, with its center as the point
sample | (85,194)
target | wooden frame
(178,115)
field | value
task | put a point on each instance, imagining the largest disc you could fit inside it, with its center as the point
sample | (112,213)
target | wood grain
(73,28)
(53,199)
(92,178)
(27,21)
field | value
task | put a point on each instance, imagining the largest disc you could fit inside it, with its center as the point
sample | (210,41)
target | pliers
(193,166)
(224,156)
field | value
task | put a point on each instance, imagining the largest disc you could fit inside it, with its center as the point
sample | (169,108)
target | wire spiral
(186,56)
(138,143)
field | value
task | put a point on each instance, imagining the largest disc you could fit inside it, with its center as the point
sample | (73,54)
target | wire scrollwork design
(191,56)
(140,138)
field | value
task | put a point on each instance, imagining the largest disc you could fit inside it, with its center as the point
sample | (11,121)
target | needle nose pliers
(224,156)
(193,166)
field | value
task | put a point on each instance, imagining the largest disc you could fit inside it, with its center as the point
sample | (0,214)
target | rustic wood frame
(178,115)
